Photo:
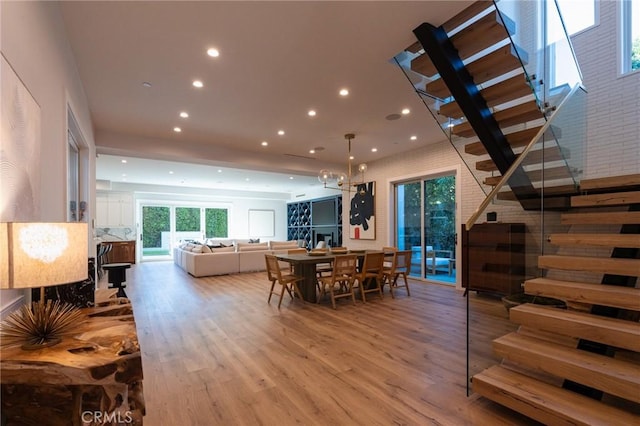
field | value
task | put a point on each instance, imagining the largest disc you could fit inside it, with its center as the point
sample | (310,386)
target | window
(630,26)
(577,15)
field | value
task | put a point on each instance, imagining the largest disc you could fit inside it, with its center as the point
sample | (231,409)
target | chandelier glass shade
(344,181)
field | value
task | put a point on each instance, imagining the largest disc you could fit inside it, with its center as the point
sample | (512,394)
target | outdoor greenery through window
(164,226)
(630,27)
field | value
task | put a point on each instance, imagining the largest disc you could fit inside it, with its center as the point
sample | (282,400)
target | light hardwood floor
(215,353)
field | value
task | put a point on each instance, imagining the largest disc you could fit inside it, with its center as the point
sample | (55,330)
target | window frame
(625,43)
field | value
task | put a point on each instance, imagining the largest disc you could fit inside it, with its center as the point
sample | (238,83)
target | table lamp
(41,255)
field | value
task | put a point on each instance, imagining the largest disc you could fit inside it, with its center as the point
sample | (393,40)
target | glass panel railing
(510,229)
(549,60)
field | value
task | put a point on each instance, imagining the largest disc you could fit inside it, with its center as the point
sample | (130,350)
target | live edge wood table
(94,376)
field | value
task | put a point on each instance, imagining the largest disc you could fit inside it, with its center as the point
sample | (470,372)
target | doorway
(425,223)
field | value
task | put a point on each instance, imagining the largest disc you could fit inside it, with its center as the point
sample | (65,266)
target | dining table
(305,265)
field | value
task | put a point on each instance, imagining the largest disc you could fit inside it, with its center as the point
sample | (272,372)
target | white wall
(33,41)
(239,203)
(613,107)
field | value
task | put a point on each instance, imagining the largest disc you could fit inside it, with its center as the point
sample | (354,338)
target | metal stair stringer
(453,72)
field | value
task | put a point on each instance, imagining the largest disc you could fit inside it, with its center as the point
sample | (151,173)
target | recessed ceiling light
(312,151)
(374,149)
(146,84)
(124,161)
(170,172)
(177,129)
(344,92)
(247,179)
(124,175)
(214,53)
(198,84)
(291,177)
(312,113)
(281,132)
(264,143)
(219,171)
(413,138)
(351,157)
(406,111)
(184,114)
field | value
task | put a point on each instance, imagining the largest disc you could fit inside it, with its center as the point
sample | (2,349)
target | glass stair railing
(522,72)
(514,62)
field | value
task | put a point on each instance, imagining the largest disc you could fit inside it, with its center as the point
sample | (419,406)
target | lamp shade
(42,254)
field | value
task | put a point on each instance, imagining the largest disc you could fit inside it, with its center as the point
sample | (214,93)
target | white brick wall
(613,106)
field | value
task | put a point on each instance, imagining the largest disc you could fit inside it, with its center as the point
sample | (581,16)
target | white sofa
(200,260)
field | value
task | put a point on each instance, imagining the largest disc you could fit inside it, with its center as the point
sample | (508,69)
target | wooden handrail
(505,178)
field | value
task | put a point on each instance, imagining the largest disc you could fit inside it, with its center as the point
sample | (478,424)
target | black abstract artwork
(362,219)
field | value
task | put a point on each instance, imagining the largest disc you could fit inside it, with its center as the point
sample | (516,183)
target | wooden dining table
(305,265)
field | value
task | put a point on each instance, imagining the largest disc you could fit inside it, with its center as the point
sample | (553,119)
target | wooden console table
(94,374)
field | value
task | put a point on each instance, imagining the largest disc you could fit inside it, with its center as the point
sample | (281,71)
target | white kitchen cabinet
(114,209)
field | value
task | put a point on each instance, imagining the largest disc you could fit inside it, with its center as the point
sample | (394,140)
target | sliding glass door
(156,227)
(425,212)
(164,226)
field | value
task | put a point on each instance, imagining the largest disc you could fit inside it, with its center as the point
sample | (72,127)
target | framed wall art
(19,149)
(362,212)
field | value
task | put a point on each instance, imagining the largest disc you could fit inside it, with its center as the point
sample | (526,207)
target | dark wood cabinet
(122,252)
(494,257)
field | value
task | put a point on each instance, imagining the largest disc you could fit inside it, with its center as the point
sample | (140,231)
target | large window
(577,15)
(163,226)
(630,37)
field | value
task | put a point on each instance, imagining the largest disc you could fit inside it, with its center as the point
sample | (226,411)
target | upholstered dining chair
(342,276)
(400,266)
(288,282)
(370,276)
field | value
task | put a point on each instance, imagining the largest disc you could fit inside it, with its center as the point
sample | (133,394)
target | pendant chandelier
(344,181)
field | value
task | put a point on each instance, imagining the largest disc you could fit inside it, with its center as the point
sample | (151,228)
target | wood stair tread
(611,183)
(613,376)
(549,174)
(471,11)
(544,402)
(515,139)
(610,331)
(481,34)
(606,199)
(537,156)
(521,113)
(552,191)
(598,218)
(495,64)
(597,294)
(600,240)
(608,265)
(507,90)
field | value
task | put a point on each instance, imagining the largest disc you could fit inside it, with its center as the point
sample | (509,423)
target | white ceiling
(277,60)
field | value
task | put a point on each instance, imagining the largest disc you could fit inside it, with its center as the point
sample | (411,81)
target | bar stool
(116,275)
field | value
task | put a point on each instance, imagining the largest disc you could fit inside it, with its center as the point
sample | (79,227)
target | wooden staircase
(575,366)
(594,345)
(494,113)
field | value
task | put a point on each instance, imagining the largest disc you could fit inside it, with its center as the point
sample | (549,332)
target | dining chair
(370,276)
(290,265)
(342,276)
(288,282)
(401,266)
(388,256)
